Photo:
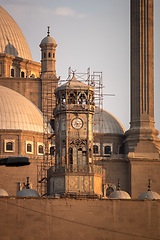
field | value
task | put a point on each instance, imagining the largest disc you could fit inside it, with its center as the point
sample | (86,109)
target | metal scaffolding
(48,104)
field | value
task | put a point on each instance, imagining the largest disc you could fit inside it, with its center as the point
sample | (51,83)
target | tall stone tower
(48,76)
(74,123)
(141,139)
(142,143)
(48,48)
(74,171)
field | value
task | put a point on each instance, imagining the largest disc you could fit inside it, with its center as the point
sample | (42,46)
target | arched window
(40,148)
(9,146)
(52,150)
(95,149)
(12,72)
(72,98)
(53,55)
(22,74)
(107,150)
(109,190)
(90,153)
(82,99)
(29,147)
(49,54)
(44,55)
(70,155)
(63,97)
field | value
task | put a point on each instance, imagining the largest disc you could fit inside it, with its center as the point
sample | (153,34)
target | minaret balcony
(74,107)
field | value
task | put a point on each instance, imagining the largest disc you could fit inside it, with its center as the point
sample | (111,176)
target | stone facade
(65,219)
(141,139)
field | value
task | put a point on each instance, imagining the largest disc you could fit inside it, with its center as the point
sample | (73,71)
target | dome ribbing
(18,113)
(12,40)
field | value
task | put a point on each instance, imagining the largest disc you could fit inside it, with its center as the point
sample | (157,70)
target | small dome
(27,193)
(12,40)
(3,192)
(18,113)
(149,195)
(48,39)
(119,194)
(110,123)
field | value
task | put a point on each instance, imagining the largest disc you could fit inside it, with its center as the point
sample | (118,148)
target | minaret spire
(48,32)
(149,184)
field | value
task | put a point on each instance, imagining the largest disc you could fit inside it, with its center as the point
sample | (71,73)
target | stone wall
(12,177)
(142,170)
(49,218)
(28,87)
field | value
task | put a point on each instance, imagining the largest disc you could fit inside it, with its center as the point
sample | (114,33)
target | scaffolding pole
(48,103)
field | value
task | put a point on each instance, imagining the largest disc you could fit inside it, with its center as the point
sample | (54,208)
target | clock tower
(74,171)
(73,119)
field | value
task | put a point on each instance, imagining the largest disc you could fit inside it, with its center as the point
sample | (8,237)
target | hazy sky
(89,33)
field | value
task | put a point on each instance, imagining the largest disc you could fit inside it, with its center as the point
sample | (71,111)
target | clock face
(77,123)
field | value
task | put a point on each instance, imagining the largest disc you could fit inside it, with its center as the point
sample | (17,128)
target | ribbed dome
(12,40)
(17,112)
(110,123)
(3,192)
(149,195)
(27,193)
(119,194)
(48,39)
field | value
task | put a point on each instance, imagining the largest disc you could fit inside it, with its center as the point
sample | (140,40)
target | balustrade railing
(75,169)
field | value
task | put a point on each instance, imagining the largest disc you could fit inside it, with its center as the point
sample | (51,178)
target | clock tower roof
(74,84)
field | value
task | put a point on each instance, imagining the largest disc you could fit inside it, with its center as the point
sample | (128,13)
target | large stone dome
(12,40)
(110,123)
(3,192)
(18,113)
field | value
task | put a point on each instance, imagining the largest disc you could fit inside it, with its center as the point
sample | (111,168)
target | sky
(89,33)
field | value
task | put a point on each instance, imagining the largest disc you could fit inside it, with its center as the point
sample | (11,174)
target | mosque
(74,146)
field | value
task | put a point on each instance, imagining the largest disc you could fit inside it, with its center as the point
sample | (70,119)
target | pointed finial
(48,33)
(118,186)
(149,184)
(8,40)
(73,71)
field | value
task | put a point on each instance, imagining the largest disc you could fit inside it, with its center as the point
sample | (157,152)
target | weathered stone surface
(65,219)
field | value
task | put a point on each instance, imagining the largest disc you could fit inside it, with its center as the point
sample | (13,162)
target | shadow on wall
(10,49)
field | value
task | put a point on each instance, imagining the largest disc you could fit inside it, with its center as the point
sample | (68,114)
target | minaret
(141,138)
(48,48)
